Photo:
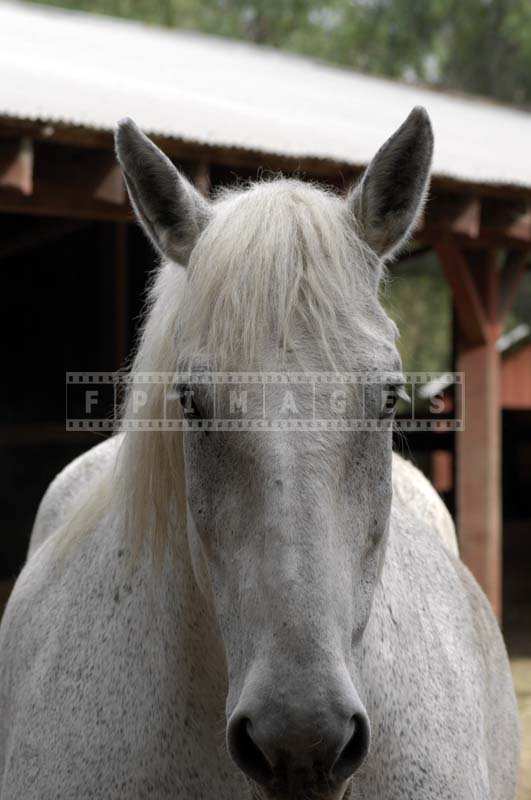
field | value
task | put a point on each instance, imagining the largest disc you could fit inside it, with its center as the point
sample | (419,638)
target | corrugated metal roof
(90,70)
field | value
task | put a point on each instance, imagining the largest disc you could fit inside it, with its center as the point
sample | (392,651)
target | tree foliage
(478,46)
(418,298)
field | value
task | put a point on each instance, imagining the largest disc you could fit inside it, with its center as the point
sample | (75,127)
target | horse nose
(274,749)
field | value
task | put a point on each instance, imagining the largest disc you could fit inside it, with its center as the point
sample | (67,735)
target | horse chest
(115,693)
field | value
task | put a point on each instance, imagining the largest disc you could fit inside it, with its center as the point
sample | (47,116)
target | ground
(521,668)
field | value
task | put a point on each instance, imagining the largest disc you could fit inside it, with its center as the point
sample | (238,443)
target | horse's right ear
(169,208)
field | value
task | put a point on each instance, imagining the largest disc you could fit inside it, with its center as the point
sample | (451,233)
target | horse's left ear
(389,198)
(169,208)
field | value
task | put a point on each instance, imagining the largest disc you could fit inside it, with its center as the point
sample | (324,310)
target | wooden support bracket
(468,302)
(16,166)
(483,221)
(108,184)
(65,182)
(452,214)
(505,219)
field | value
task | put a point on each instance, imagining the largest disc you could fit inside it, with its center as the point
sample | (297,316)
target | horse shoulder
(501,720)
(415,495)
(66,486)
(39,585)
(441,632)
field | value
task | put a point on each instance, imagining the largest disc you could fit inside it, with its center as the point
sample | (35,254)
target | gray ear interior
(171,211)
(390,196)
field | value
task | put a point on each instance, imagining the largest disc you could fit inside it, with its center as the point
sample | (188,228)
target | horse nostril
(355,750)
(246,752)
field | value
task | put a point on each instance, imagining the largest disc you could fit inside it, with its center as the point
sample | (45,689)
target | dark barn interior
(74,292)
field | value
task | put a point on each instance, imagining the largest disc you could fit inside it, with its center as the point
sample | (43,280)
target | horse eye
(390,396)
(185,393)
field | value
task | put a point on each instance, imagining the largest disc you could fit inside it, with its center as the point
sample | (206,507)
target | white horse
(222,615)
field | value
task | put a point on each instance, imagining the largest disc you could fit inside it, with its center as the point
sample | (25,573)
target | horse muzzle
(299,746)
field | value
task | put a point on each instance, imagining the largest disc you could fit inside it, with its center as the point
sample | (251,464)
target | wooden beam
(37,234)
(48,170)
(89,177)
(511,276)
(71,183)
(452,214)
(478,495)
(109,184)
(506,219)
(468,303)
(481,221)
(474,279)
(181,151)
(202,178)
(16,166)
(478,446)
(62,134)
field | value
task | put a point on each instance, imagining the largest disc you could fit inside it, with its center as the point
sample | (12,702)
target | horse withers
(254,613)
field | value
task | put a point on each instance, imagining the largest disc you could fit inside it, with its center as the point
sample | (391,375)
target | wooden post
(479,466)
(202,179)
(475,285)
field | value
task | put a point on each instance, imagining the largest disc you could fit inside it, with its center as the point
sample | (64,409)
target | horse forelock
(278,258)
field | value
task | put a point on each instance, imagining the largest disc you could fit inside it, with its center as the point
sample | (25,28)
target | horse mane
(281,261)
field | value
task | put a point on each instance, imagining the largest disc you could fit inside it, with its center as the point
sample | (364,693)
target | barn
(514,349)
(75,266)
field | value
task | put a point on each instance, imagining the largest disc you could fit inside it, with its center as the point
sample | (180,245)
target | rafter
(482,221)
(506,219)
(452,213)
(65,182)
(16,166)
